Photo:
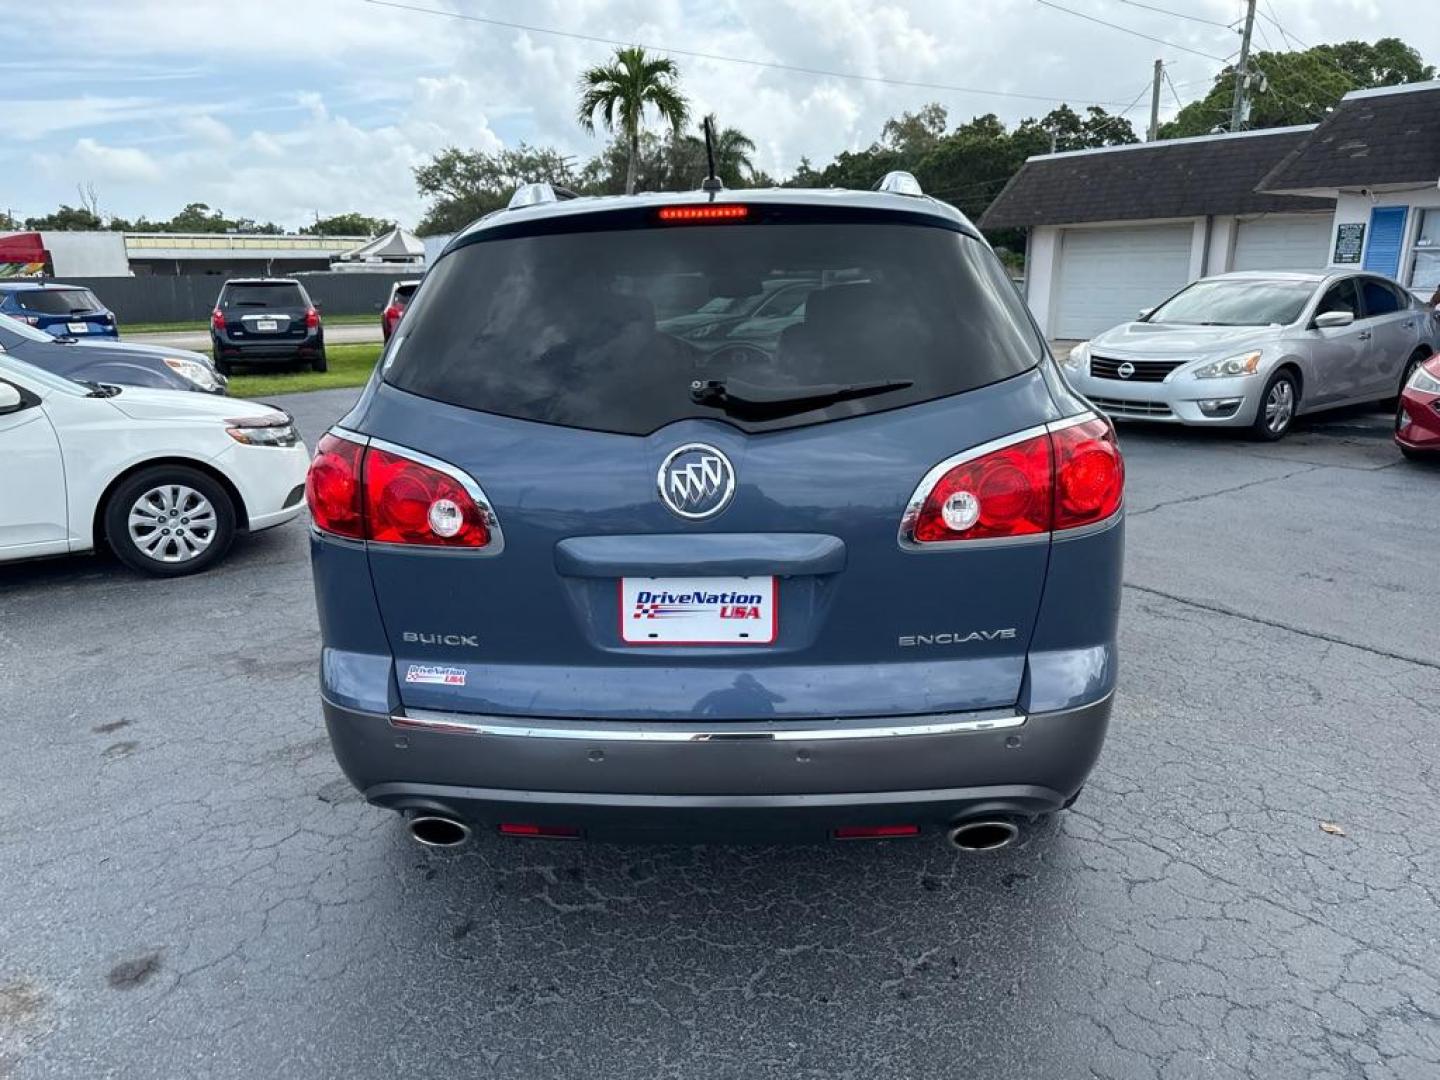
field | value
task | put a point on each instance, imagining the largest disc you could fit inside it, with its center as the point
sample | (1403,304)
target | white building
(1114,230)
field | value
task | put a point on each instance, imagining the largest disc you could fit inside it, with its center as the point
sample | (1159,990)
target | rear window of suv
(57,301)
(610,330)
(281,294)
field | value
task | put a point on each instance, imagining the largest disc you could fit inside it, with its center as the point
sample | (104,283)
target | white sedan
(165,478)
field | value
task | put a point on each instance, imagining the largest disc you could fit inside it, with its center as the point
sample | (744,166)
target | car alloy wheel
(1279,406)
(172,523)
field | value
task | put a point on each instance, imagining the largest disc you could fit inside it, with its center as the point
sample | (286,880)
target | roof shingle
(1169,179)
(1373,138)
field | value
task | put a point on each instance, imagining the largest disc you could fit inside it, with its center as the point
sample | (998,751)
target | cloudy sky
(282,109)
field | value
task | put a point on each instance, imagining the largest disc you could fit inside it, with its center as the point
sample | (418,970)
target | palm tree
(732,152)
(623,89)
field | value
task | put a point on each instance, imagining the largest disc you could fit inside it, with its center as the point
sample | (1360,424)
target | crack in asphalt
(1225,491)
(1260,620)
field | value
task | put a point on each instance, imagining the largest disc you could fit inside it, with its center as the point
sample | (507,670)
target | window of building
(1425,266)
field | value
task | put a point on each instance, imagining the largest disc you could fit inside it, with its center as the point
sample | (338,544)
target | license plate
(79,327)
(698,610)
(266,324)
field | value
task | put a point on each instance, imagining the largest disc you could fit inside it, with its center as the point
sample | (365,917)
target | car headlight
(1078,358)
(272,429)
(1230,368)
(193,371)
(1423,381)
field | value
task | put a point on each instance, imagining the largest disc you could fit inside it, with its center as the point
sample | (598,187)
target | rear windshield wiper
(767,402)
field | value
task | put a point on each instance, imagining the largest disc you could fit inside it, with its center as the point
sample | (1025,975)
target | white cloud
(334,112)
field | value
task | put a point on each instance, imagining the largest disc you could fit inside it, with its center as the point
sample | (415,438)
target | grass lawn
(188,327)
(350,365)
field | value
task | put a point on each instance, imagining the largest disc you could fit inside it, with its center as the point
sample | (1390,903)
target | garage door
(1107,275)
(1283,242)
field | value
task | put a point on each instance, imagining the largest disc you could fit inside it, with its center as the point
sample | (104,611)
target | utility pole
(1154,132)
(1242,72)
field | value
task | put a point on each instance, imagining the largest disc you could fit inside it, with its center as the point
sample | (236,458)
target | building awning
(1173,178)
(1388,137)
(22,253)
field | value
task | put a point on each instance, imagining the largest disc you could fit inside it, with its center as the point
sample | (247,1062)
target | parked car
(1255,349)
(61,310)
(579,576)
(400,294)
(1417,417)
(165,480)
(266,321)
(122,363)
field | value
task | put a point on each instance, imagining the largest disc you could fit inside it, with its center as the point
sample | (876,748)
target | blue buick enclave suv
(578,576)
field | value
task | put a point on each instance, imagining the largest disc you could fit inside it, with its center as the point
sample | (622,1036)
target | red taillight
(1061,479)
(410,503)
(875,832)
(390,314)
(694,214)
(549,832)
(366,493)
(1004,493)
(312,318)
(1089,474)
(217,319)
(333,487)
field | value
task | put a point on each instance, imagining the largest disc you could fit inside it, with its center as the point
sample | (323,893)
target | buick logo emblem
(696,481)
(1125,370)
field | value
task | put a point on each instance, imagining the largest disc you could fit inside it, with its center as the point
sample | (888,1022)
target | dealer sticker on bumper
(435,675)
(698,611)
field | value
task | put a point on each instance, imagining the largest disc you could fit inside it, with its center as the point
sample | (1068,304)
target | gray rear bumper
(730,780)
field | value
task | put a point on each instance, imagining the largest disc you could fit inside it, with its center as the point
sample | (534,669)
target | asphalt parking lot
(190,888)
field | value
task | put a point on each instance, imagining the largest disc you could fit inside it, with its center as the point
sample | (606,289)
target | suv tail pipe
(984,834)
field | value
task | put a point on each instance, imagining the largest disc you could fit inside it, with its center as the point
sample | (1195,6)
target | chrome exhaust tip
(438,832)
(984,835)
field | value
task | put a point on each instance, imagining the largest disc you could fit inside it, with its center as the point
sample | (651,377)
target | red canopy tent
(22,254)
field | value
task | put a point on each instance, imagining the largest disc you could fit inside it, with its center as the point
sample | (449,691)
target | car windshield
(57,301)
(1236,303)
(20,331)
(280,294)
(584,329)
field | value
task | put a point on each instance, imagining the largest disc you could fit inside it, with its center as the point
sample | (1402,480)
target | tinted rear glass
(57,301)
(279,295)
(403,293)
(608,330)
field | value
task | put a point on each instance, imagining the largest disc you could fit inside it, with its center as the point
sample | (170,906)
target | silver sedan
(1256,349)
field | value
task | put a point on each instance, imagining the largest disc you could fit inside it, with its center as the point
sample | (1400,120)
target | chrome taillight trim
(459,475)
(927,484)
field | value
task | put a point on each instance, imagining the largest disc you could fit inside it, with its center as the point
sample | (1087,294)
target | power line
(1178,14)
(1174,92)
(1126,30)
(824,72)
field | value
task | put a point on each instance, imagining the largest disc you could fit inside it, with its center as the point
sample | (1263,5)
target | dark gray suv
(581,576)
(266,321)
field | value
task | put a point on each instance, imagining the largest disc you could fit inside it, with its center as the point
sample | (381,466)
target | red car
(1417,421)
(400,294)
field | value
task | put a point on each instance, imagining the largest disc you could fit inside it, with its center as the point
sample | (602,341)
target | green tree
(67,219)
(349,224)
(467,184)
(8,223)
(621,92)
(1298,87)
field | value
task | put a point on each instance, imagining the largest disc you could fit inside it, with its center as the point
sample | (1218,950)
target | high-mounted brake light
(695,214)
(369,493)
(1062,477)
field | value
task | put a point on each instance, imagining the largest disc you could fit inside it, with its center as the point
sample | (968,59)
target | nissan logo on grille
(696,481)
(1125,370)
